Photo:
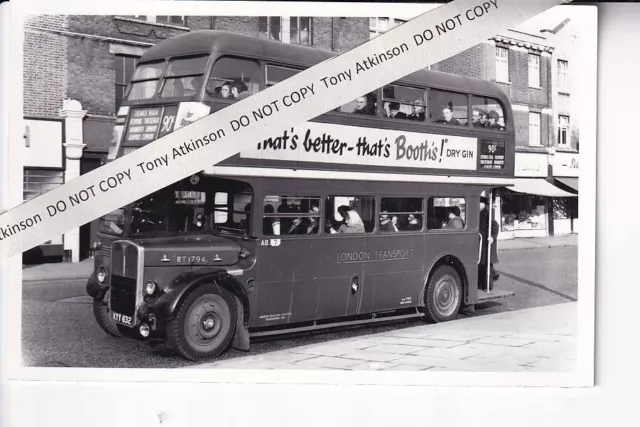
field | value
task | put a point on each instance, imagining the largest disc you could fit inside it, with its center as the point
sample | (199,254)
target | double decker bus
(367,213)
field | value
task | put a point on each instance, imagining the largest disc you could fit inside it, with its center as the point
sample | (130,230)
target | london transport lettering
(365,256)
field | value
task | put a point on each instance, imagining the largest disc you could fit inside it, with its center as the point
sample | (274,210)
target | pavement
(541,339)
(83,269)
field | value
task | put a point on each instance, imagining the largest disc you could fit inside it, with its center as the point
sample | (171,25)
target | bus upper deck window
(145,80)
(184,77)
(365,104)
(448,108)
(487,113)
(234,79)
(401,102)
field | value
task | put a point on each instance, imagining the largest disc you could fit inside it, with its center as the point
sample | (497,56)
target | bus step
(494,293)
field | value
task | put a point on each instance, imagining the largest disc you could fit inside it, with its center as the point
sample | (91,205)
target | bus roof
(221,42)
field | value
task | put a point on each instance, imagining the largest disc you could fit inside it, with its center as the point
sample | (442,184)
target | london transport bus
(367,213)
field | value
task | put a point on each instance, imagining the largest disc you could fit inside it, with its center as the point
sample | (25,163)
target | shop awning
(569,182)
(538,187)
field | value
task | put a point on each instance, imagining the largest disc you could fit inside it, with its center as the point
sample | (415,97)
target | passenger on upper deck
(361,105)
(477,117)
(392,110)
(494,117)
(224,91)
(196,85)
(447,116)
(418,113)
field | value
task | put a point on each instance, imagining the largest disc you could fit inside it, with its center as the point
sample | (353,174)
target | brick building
(75,73)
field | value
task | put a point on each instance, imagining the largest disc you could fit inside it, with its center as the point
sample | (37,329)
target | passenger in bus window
(493,120)
(361,105)
(270,225)
(455,221)
(239,90)
(352,221)
(387,224)
(393,111)
(224,91)
(297,226)
(312,227)
(414,223)
(196,85)
(418,112)
(477,118)
(447,114)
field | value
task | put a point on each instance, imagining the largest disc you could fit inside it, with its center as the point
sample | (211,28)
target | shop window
(523,212)
(401,102)
(487,113)
(290,215)
(349,215)
(401,214)
(173,20)
(448,213)
(448,108)
(379,26)
(38,181)
(234,79)
(561,208)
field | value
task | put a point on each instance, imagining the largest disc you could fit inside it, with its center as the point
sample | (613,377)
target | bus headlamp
(101,275)
(150,288)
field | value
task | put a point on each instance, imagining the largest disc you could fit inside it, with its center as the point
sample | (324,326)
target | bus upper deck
(405,127)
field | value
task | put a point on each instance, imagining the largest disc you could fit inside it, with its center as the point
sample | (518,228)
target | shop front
(526,209)
(565,171)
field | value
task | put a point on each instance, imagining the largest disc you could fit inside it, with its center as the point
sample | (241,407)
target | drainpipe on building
(74,145)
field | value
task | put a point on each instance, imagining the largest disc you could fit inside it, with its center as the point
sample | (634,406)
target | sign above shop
(566,164)
(532,165)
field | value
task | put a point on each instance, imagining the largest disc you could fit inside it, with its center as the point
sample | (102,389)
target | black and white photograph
(436,224)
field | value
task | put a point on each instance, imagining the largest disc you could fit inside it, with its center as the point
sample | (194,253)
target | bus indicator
(492,155)
(143,124)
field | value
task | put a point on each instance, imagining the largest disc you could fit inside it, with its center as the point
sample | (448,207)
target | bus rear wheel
(443,296)
(204,324)
(103,316)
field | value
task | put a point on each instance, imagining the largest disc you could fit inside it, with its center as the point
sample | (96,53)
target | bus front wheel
(103,316)
(204,324)
(443,296)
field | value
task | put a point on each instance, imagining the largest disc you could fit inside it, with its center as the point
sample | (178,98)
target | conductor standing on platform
(484,232)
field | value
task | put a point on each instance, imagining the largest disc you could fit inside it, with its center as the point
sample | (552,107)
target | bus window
(401,214)
(184,77)
(446,213)
(365,104)
(234,78)
(487,113)
(275,74)
(402,102)
(221,212)
(145,80)
(448,108)
(287,215)
(349,214)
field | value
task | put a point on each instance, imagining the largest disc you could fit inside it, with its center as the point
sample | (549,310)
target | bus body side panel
(395,276)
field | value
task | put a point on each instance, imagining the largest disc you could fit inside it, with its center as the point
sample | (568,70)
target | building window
(563,76)
(534,70)
(564,131)
(534,129)
(125,65)
(270,27)
(300,30)
(502,64)
(39,181)
(379,26)
(162,19)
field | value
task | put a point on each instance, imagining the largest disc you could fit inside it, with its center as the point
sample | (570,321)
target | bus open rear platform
(495,293)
